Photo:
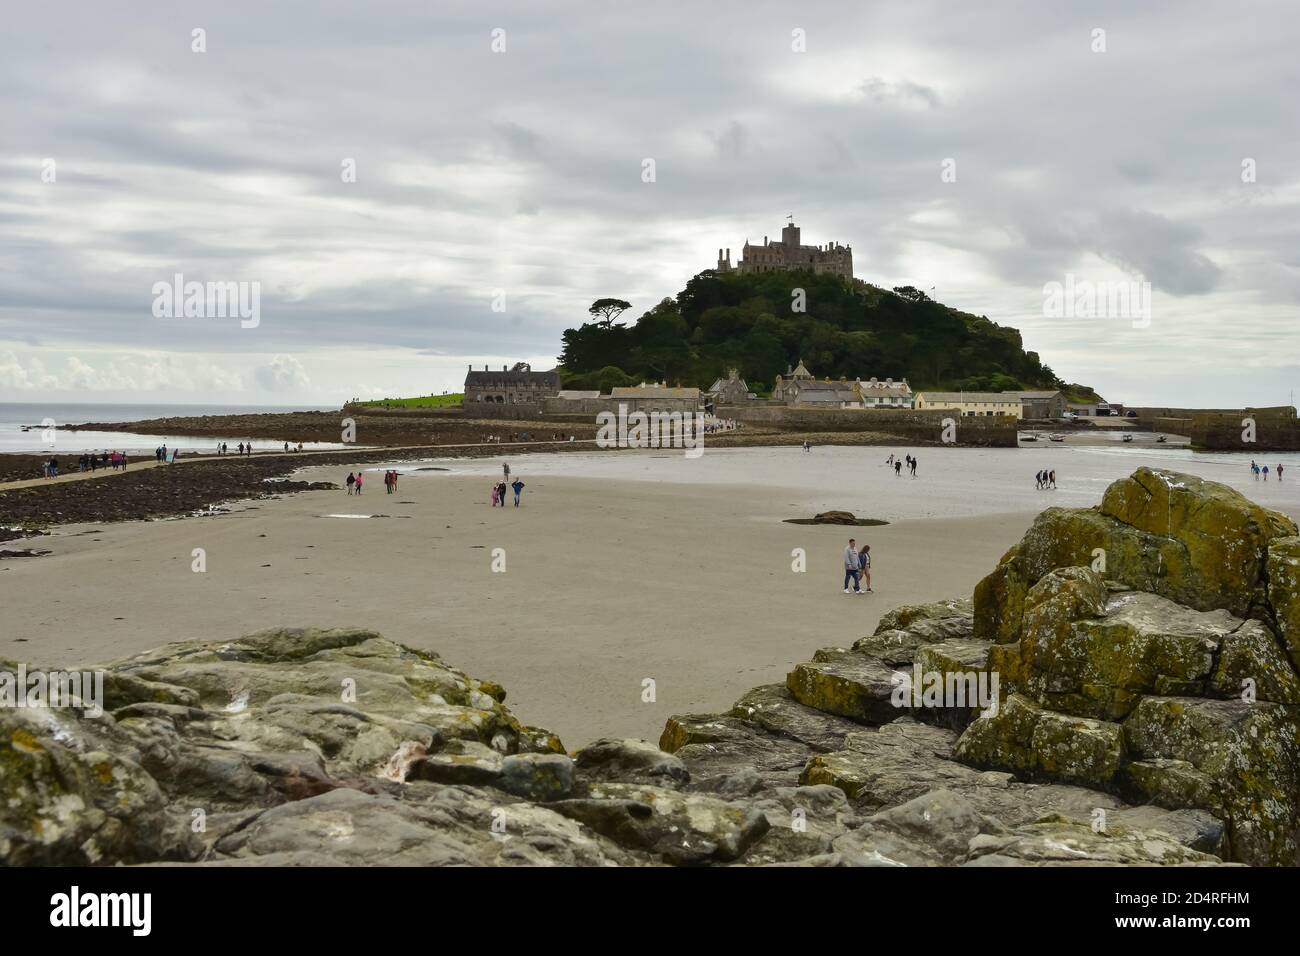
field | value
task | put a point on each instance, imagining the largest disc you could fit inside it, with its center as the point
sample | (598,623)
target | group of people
(89,461)
(524,436)
(354,482)
(1045,479)
(161,454)
(499,488)
(1257,470)
(898,463)
(390,480)
(857,568)
(725,425)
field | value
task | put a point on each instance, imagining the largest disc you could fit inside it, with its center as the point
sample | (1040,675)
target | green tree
(605,311)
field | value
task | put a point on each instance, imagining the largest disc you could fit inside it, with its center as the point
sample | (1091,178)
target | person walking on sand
(1279,471)
(1266,472)
(518,488)
(359,480)
(352,480)
(1051,478)
(505,468)
(898,468)
(913,466)
(851,566)
(864,566)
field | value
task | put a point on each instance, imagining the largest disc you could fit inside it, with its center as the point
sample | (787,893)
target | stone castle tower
(788,254)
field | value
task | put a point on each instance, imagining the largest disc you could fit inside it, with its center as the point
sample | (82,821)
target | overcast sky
(479,171)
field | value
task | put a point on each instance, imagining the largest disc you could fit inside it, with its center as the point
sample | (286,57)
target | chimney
(485,368)
(471,366)
(505,368)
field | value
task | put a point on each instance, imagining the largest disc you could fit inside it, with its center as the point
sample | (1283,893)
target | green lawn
(424,401)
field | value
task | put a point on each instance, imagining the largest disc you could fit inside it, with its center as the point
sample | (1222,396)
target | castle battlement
(789,254)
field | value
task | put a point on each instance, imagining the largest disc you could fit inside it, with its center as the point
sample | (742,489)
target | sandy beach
(618,568)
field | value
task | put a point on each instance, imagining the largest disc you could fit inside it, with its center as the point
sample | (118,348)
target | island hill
(787,325)
(788,338)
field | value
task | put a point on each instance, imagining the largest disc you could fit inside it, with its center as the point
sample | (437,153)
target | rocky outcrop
(1162,626)
(1143,709)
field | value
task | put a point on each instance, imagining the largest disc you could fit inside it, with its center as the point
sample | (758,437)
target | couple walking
(857,564)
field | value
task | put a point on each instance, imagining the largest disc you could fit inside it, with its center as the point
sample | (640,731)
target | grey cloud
(1159,249)
(522,170)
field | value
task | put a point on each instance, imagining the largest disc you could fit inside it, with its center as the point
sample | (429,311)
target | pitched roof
(827,395)
(1023,395)
(986,398)
(653,391)
(489,379)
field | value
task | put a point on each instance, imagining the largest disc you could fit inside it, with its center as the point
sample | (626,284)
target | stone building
(785,388)
(800,387)
(731,390)
(650,397)
(1044,404)
(510,386)
(802,393)
(789,254)
(980,404)
(886,394)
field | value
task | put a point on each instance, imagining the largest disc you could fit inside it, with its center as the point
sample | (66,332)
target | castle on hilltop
(789,254)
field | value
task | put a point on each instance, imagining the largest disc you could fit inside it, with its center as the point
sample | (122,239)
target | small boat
(1029,438)
(1161,440)
(1056,438)
(1128,437)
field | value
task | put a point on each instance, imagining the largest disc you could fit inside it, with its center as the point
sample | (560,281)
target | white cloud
(284,373)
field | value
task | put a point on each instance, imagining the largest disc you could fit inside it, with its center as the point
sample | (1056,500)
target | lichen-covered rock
(1253,663)
(1098,660)
(1176,784)
(72,792)
(1025,739)
(934,829)
(629,761)
(1064,841)
(945,620)
(803,825)
(1284,592)
(682,828)
(1248,753)
(847,684)
(773,708)
(537,777)
(1196,542)
(442,826)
